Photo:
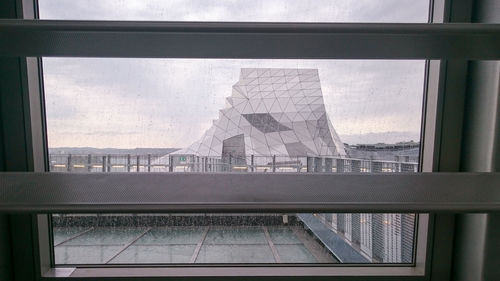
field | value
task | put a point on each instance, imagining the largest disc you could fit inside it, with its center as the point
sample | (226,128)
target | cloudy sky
(128,103)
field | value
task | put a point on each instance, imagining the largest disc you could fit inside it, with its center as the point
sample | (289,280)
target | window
(155,108)
(74,50)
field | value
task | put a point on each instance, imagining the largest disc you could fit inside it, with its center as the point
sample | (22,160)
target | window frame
(436,137)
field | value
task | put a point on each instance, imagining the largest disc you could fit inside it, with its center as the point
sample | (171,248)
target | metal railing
(250,163)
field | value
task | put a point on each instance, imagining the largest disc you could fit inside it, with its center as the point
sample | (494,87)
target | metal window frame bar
(248,40)
(226,193)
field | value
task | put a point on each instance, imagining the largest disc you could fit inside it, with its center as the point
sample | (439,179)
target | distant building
(271,112)
(399,152)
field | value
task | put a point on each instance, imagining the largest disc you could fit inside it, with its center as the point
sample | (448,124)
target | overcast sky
(128,103)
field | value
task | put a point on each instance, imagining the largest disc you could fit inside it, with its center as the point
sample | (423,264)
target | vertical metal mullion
(442,130)
(24,149)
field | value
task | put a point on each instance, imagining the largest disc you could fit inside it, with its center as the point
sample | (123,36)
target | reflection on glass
(238,116)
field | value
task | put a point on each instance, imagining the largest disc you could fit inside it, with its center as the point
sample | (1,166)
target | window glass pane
(233,238)
(239,116)
(238,10)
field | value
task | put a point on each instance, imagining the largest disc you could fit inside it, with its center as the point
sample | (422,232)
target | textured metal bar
(196,192)
(249,40)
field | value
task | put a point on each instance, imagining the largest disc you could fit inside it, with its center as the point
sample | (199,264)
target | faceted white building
(271,112)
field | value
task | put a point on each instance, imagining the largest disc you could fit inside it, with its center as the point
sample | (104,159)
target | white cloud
(239,10)
(169,103)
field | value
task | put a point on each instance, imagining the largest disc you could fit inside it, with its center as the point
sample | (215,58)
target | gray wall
(477,245)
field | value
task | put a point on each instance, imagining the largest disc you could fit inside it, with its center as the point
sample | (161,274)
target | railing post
(318,167)
(170,163)
(104,163)
(138,163)
(109,163)
(252,163)
(340,166)
(128,163)
(310,164)
(355,166)
(68,164)
(274,164)
(89,163)
(149,162)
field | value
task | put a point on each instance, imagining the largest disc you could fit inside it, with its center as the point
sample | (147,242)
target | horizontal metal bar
(192,192)
(249,40)
(291,272)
